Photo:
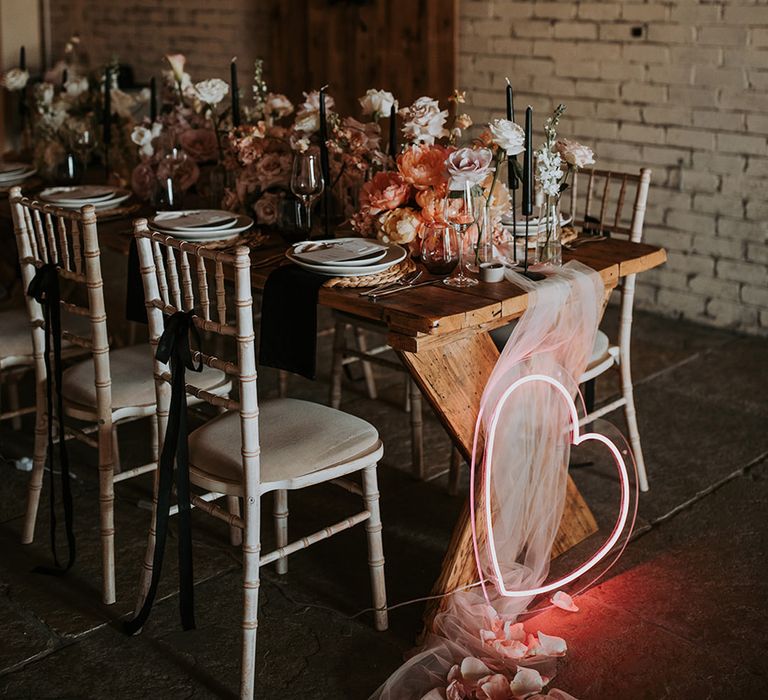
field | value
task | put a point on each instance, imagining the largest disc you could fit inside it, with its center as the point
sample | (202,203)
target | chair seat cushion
(599,349)
(296,438)
(132,379)
(17,336)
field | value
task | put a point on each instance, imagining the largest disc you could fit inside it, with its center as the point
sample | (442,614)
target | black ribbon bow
(173,347)
(44,288)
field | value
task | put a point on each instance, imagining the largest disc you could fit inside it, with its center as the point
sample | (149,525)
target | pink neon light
(576,439)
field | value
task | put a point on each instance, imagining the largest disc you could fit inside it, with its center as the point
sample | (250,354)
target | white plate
(7,179)
(80,195)
(393,256)
(7,169)
(165,219)
(533,223)
(242,224)
(367,259)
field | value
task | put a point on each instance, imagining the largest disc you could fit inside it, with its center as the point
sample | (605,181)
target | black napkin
(289,320)
(135,310)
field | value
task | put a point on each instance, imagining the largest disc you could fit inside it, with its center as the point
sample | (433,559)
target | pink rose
(273,170)
(143,181)
(384,191)
(267,208)
(468,166)
(199,144)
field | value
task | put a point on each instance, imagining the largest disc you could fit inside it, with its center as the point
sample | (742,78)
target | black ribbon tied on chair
(174,348)
(44,288)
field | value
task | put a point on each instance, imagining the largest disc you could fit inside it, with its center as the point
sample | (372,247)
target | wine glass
(306,183)
(83,143)
(439,248)
(170,171)
(462,210)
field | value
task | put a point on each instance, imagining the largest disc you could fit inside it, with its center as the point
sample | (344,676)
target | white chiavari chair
(253,447)
(612,204)
(106,390)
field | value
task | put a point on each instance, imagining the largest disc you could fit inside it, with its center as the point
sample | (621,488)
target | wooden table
(441,335)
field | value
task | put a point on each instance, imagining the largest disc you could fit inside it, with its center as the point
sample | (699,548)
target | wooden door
(405,46)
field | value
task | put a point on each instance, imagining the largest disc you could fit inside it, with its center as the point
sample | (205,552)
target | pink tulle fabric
(529,468)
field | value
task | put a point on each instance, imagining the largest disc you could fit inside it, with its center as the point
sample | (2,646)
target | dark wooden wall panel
(405,46)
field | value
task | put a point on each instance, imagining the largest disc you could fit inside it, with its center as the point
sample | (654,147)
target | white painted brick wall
(688,98)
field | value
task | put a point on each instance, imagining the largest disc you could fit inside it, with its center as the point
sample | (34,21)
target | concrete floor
(682,615)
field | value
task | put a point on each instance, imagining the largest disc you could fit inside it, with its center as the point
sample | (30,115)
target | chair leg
(235,533)
(251,553)
(13,403)
(282,383)
(280,513)
(454,475)
(115,450)
(155,438)
(417,437)
(370,380)
(38,469)
(339,345)
(107,511)
(375,548)
(145,578)
(631,416)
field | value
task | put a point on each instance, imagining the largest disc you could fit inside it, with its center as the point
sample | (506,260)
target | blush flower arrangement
(397,205)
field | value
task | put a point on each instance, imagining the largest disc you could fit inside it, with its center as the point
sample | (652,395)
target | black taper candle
(23,58)
(528,164)
(512,180)
(107,136)
(393,132)
(324,165)
(153,99)
(235,93)
(64,78)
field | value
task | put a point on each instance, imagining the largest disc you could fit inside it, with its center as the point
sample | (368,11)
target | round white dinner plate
(506,222)
(369,259)
(394,255)
(242,224)
(164,220)
(11,167)
(11,178)
(78,196)
(122,195)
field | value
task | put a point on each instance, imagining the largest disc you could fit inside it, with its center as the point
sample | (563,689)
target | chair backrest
(176,276)
(605,209)
(68,239)
(599,201)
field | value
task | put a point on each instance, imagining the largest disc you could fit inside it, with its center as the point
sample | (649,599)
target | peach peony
(399,226)
(383,192)
(432,203)
(424,166)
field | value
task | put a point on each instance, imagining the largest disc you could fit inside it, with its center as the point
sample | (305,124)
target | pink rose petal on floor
(473,669)
(494,687)
(527,681)
(551,646)
(563,601)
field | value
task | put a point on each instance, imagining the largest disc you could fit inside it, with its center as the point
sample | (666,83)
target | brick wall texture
(680,86)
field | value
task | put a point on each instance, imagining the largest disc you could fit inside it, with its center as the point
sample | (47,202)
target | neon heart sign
(576,439)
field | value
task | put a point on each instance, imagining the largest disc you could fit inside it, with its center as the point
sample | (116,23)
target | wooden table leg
(452,377)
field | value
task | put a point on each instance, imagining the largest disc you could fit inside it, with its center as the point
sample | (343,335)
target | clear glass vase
(549,247)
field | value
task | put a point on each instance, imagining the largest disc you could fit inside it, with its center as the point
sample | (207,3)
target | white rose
(377,102)
(211,91)
(508,136)
(308,114)
(575,153)
(425,122)
(76,86)
(143,138)
(43,95)
(15,79)
(277,106)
